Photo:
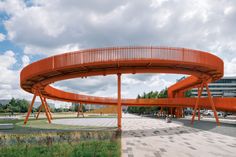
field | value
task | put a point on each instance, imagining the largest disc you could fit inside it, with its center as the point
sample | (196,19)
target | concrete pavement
(152,137)
(149,137)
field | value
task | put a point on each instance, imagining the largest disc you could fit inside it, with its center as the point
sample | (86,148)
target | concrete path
(149,137)
(152,137)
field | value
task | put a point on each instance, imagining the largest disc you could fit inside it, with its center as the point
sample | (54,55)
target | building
(89,107)
(225,87)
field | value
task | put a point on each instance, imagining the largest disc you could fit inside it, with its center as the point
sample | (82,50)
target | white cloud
(2,37)
(25,60)
(12,7)
(106,86)
(10,78)
(7,59)
(49,28)
(230,67)
(52,51)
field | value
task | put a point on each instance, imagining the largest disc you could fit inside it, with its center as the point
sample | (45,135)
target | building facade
(89,107)
(225,87)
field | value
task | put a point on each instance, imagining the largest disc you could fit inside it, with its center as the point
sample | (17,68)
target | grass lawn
(42,124)
(104,148)
(69,145)
(35,125)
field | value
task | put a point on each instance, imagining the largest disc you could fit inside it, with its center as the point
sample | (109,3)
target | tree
(15,105)
(76,108)
(1,108)
(163,93)
(23,105)
(58,109)
(142,110)
(149,95)
(188,93)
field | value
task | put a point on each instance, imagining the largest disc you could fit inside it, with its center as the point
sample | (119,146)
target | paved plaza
(151,137)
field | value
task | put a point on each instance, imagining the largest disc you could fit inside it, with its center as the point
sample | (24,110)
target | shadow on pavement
(184,128)
(224,128)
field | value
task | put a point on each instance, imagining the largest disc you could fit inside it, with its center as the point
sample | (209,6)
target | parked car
(188,112)
(208,113)
(220,114)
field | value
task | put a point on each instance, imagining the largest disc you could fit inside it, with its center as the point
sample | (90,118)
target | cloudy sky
(34,29)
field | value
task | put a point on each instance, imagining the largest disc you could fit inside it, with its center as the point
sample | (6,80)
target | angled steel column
(197,102)
(48,108)
(171,112)
(119,101)
(80,110)
(30,108)
(198,110)
(44,106)
(161,115)
(40,109)
(212,104)
(199,113)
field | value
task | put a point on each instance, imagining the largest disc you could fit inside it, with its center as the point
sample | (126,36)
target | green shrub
(83,149)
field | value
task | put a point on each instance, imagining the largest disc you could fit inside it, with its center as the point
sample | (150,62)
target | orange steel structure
(80,110)
(202,67)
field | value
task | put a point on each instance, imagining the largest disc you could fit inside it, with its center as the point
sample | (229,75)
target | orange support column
(177,112)
(182,112)
(197,102)
(161,114)
(48,108)
(40,109)
(119,101)
(44,106)
(212,104)
(30,109)
(80,110)
(199,113)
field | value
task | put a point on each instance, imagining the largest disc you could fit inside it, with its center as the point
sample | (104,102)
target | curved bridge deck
(202,66)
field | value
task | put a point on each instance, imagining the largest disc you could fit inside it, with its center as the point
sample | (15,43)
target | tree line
(153,95)
(15,105)
(21,106)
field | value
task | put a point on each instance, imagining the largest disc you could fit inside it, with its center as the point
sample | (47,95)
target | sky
(34,29)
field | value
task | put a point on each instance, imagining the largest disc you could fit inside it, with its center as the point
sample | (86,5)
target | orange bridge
(202,67)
